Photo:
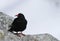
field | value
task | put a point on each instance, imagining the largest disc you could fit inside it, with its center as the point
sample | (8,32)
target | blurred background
(43,16)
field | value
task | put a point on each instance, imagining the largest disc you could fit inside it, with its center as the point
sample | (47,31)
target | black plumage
(19,23)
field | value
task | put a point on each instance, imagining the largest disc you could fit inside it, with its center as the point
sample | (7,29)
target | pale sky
(43,16)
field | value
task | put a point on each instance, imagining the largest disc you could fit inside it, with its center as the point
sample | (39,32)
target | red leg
(21,34)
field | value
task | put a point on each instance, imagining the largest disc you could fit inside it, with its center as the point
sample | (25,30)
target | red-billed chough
(19,23)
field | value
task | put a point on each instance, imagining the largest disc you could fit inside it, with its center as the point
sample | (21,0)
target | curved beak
(16,15)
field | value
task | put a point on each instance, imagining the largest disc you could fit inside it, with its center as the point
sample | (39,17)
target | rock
(1,34)
(6,20)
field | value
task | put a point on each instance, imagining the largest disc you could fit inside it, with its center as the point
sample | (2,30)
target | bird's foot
(21,34)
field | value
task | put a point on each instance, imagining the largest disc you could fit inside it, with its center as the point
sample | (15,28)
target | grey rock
(6,20)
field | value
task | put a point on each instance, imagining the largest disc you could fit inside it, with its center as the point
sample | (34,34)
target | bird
(18,24)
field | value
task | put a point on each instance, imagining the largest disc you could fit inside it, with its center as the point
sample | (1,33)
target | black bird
(19,24)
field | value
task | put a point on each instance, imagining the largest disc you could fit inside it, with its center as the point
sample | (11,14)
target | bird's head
(19,15)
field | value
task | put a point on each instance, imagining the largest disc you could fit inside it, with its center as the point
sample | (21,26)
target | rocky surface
(6,20)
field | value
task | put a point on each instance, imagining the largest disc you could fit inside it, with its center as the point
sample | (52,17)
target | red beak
(16,15)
